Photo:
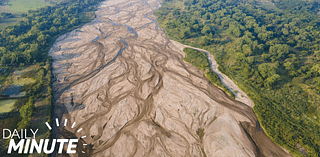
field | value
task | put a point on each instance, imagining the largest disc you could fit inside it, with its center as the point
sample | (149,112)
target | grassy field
(6,105)
(9,21)
(42,111)
(22,6)
(18,81)
(16,7)
(15,79)
(9,80)
(23,81)
(23,77)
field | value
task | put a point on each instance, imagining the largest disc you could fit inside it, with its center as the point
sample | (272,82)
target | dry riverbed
(129,92)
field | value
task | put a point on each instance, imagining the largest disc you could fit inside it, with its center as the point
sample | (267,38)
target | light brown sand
(145,101)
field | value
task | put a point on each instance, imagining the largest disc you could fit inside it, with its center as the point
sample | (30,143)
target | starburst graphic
(65,124)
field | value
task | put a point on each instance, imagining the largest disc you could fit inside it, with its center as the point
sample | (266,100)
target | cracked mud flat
(122,81)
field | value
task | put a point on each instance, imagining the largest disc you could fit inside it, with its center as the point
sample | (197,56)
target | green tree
(205,40)
(206,30)
(279,50)
(266,70)
(272,80)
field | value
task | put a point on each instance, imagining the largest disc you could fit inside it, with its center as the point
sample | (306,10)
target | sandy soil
(129,92)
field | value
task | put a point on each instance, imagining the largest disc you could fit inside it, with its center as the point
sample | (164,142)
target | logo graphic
(27,144)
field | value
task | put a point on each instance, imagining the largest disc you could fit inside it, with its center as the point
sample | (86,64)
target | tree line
(28,41)
(272,52)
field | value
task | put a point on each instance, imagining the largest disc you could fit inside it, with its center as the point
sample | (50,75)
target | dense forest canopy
(271,51)
(27,42)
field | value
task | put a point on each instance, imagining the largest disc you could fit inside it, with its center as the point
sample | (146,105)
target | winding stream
(225,80)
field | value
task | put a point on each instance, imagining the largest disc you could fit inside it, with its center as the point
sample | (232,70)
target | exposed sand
(133,95)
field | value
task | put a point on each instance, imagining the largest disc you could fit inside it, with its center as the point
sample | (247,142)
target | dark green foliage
(200,133)
(28,41)
(200,60)
(272,53)
(26,113)
(6,15)
(197,58)
(20,102)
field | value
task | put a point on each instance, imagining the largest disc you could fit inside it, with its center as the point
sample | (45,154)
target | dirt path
(128,92)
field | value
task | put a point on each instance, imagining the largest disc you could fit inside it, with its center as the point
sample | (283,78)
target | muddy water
(122,88)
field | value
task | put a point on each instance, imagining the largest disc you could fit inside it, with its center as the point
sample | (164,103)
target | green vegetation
(28,41)
(23,81)
(25,6)
(26,112)
(11,11)
(9,123)
(42,114)
(271,52)
(6,105)
(37,90)
(200,60)
(25,46)
(4,22)
(200,133)
(4,76)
